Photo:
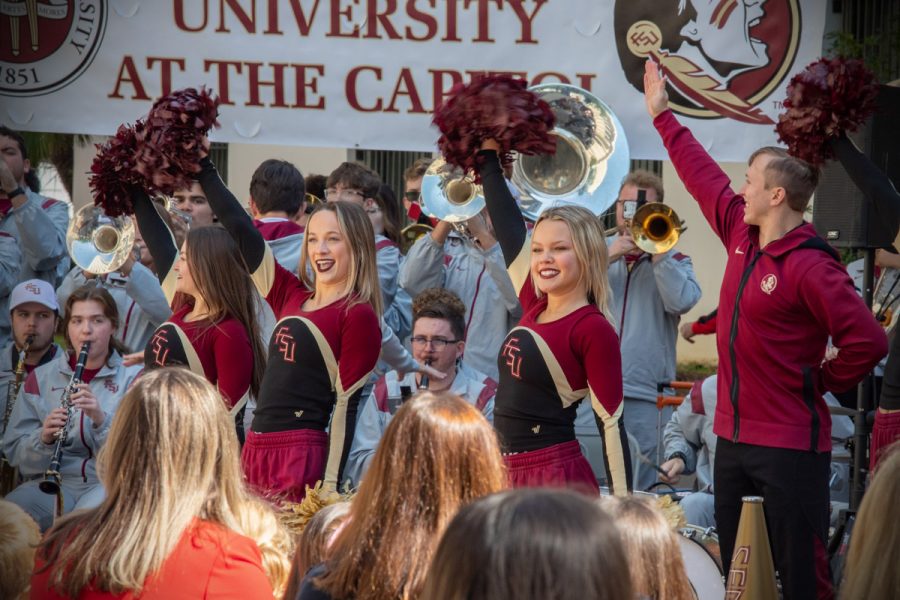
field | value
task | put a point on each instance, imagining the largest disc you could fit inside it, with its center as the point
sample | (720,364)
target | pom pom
(170,149)
(830,96)
(113,171)
(496,107)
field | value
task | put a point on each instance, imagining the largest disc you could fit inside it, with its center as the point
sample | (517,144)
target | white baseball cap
(33,290)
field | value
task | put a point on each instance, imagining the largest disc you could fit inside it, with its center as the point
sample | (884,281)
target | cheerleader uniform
(547,368)
(220,351)
(318,362)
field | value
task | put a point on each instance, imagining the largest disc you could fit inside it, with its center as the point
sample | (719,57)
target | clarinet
(9,475)
(423,381)
(52,479)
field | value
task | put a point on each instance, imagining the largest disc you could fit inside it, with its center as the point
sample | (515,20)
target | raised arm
(159,239)
(508,223)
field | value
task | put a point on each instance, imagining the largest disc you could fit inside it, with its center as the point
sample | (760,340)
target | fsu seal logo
(768,283)
(47,44)
(722,58)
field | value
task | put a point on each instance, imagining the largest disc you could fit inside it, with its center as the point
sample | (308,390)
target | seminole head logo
(47,44)
(722,58)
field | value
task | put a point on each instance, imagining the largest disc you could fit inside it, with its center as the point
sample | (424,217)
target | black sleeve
(872,181)
(156,234)
(232,215)
(709,317)
(509,226)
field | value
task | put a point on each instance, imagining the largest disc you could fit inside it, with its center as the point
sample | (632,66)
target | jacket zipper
(735,384)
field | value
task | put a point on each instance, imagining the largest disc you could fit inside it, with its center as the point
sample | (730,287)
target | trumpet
(51,484)
(9,475)
(99,243)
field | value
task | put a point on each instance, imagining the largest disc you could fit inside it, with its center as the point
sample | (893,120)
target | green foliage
(57,149)
(695,370)
(879,51)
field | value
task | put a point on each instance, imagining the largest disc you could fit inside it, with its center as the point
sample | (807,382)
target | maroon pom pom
(170,149)
(495,107)
(113,171)
(826,98)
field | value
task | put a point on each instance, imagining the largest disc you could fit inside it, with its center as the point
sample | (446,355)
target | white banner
(368,73)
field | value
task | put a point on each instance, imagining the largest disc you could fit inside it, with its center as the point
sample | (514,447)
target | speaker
(841,214)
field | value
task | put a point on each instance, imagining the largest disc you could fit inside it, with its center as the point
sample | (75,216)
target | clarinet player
(39,414)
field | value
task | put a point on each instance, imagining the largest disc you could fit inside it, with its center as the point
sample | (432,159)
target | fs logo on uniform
(768,283)
(722,58)
(47,44)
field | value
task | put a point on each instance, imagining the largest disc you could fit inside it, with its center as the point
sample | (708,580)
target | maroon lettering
(255,83)
(526,20)
(430,22)
(374,18)
(222,72)
(179,17)
(351,91)
(336,14)
(248,21)
(128,74)
(312,84)
(165,71)
(406,86)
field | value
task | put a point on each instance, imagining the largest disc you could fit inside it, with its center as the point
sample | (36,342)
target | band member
(474,270)
(34,314)
(322,350)
(564,348)
(650,292)
(213,329)
(192,203)
(36,223)
(783,294)
(277,191)
(439,319)
(90,316)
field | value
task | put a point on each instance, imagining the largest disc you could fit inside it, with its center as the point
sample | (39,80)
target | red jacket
(210,561)
(777,308)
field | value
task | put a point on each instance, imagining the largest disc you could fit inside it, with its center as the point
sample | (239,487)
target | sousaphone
(591,158)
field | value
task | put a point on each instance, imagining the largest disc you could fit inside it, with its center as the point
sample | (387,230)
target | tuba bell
(97,242)
(656,228)
(591,156)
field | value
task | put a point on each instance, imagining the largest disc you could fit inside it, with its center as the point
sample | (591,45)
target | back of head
(530,544)
(171,457)
(437,454)
(315,185)
(314,542)
(277,185)
(258,521)
(654,555)
(875,545)
(19,536)
(417,169)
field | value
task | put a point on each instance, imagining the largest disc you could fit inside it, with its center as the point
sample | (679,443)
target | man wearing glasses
(438,330)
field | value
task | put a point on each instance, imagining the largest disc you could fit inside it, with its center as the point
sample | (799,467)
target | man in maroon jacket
(783,294)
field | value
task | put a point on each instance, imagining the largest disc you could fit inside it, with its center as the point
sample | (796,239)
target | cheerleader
(324,346)
(90,316)
(213,329)
(563,349)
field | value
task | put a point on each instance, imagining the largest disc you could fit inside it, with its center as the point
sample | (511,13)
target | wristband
(15,192)
(678,455)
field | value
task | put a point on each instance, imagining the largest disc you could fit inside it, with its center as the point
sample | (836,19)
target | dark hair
(390,211)
(315,185)
(356,176)
(645,180)
(417,169)
(95,293)
(31,178)
(223,279)
(277,185)
(441,303)
(530,544)
(798,178)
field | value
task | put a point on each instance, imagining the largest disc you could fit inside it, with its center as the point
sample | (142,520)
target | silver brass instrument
(99,243)
(9,475)
(656,228)
(449,194)
(591,159)
(884,303)
(51,484)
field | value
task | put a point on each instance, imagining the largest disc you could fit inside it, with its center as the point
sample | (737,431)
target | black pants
(794,485)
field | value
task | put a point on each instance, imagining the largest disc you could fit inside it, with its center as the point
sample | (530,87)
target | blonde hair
(314,543)
(362,281)
(589,244)
(19,536)
(875,544)
(438,453)
(171,457)
(654,555)
(259,522)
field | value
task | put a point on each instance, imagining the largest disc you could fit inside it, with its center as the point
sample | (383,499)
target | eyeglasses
(436,343)
(332,194)
(412,195)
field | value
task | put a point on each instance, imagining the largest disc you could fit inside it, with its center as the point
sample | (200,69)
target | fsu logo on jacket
(47,44)
(722,58)
(768,283)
